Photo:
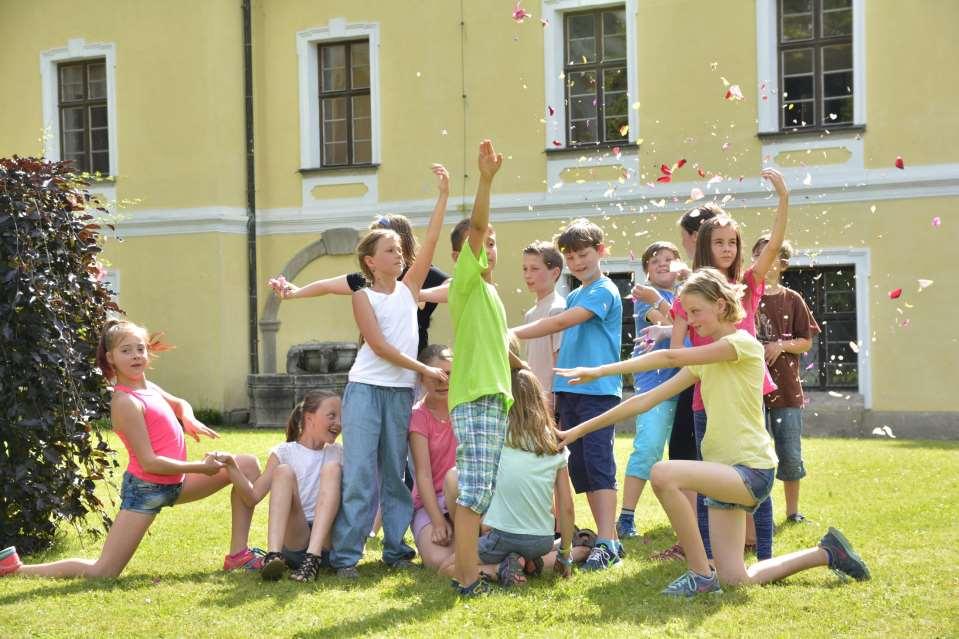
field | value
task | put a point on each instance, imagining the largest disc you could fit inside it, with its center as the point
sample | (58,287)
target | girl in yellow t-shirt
(739,458)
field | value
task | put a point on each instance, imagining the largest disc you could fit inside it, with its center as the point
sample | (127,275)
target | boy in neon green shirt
(479,394)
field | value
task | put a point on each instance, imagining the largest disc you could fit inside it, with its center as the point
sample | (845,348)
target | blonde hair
(710,284)
(113,331)
(310,404)
(530,421)
(367,248)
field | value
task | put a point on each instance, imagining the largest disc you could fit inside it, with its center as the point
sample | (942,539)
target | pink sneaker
(9,561)
(248,559)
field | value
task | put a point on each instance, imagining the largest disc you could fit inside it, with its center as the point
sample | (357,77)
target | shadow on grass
(925,443)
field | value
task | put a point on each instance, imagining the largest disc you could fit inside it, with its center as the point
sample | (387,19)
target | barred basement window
(816,63)
(84,134)
(345,119)
(595,77)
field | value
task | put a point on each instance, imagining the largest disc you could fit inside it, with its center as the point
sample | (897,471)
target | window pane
(334,132)
(333,67)
(613,127)
(796,6)
(98,140)
(614,47)
(101,162)
(840,332)
(837,84)
(96,80)
(334,153)
(797,27)
(840,302)
(839,376)
(614,104)
(74,142)
(837,57)
(836,23)
(582,94)
(361,130)
(797,87)
(581,38)
(582,131)
(79,161)
(361,107)
(334,109)
(71,82)
(836,4)
(362,152)
(72,119)
(98,116)
(360,64)
(841,108)
(614,35)
(797,61)
(614,22)
(801,114)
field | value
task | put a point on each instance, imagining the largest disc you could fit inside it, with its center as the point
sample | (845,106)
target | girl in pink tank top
(145,418)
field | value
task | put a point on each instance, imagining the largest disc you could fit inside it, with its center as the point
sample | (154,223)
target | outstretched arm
(489,163)
(338,285)
(770,252)
(554,323)
(437,295)
(633,406)
(718,351)
(416,274)
(251,492)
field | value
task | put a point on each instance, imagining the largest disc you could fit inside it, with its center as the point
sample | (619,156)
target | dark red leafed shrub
(51,309)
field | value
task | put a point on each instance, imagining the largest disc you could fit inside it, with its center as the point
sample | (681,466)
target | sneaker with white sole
(602,557)
(843,560)
(691,583)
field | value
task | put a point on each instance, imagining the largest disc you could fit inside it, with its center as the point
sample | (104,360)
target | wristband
(564,561)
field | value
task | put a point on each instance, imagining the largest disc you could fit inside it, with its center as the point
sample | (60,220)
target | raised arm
(553,324)
(370,330)
(416,274)
(633,406)
(489,164)
(718,351)
(127,418)
(770,252)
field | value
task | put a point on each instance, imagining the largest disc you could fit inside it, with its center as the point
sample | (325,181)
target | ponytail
(294,424)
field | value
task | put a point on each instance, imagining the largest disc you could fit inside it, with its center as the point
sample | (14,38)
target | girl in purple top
(145,418)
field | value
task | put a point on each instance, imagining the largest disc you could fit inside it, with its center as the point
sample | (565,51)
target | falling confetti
(632,256)
(701,172)
(696,194)
(895,293)
(923,284)
(623,130)
(677,266)
(520,14)
(617,151)
(444,132)
(725,145)
(557,143)
(811,366)
(884,431)
(544,22)
(872,209)
(807,180)
(854,347)
(833,116)
(899,163)
(905,323)
(835,394)
(734,92)
(550,110)
(936,222)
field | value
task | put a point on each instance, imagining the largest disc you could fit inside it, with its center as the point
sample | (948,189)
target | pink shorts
(421,518)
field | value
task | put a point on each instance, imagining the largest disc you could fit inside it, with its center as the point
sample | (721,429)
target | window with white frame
(82,102)
(344,95)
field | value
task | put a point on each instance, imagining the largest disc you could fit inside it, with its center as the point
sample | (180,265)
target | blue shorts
(496,544)
(653,429)
(759,483)
(785,425)
(141,496)
(591,463)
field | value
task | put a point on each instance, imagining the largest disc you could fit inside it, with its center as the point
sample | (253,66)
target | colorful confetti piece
(895,293)
(899,163)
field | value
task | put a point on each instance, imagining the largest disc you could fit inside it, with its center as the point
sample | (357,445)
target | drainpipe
(250,188)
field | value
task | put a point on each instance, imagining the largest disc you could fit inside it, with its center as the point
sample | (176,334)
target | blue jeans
(375,424)
(763,516)
(785,425)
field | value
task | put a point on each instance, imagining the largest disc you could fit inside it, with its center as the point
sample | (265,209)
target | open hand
(283,289)
(778,182)
(651,335)
(194,428)
(578,375)
(489,160)
(443,178)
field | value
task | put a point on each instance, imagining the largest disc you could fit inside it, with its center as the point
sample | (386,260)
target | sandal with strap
(584,538)
(309,569)
(533,567)
(510,572)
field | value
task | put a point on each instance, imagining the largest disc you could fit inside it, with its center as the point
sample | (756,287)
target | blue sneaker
(690,584)
(601,557)
(626,528)
(843,560)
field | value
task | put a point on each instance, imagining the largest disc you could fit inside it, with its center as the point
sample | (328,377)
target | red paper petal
(701,172)
(557,143)
(665,170)
(899,163)
(617,151)
(681,163)
(550,110)
(895,293)
(664,178)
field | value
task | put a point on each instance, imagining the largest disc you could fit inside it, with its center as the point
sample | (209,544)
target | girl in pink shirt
(433,448)
(145,418)
(719,245)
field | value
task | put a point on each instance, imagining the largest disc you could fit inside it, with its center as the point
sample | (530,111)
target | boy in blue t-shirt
(653,427)
(593,324)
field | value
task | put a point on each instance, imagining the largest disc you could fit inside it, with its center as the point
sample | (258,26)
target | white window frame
(860,260)
(337,30)
(554,11)
(767,60)
(77,49)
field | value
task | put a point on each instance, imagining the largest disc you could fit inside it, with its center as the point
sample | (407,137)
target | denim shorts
(496,544)
(785,425)
(759,483)
(140,496)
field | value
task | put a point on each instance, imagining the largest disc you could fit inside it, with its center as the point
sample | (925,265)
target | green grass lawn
(896,500)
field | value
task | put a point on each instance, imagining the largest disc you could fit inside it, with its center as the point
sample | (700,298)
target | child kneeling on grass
(532,469)
(739,461)
(303,478)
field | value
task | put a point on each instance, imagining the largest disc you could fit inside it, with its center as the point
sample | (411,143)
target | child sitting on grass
(532,469)
(736,473)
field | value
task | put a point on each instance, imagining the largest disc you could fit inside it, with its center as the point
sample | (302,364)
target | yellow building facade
(163,104)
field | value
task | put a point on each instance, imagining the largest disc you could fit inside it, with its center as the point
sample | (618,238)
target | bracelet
(565,561)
